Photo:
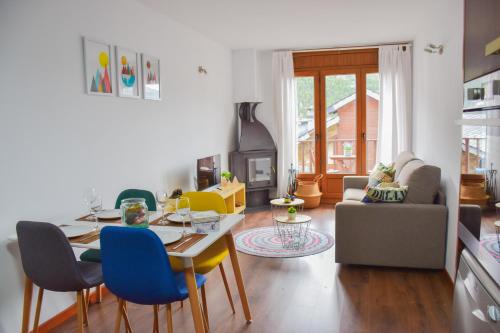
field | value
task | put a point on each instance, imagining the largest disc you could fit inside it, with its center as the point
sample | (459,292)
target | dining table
(227,223)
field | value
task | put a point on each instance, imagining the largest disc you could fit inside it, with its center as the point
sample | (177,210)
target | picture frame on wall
(127,72)
(151,80)
(98,67)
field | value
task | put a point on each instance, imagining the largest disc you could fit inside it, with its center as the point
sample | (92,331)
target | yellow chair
(215,254)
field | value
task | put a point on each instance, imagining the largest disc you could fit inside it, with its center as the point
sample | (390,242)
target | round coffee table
(293,233)
(280,207)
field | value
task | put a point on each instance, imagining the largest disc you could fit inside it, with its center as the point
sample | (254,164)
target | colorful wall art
(127,72)
(98,67)
(151,77)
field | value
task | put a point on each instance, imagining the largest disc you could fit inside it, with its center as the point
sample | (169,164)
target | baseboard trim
(67,313)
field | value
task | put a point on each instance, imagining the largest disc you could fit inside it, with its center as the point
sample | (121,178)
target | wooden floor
(309,294)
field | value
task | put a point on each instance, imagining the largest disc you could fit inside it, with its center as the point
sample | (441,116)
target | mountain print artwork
(100,81)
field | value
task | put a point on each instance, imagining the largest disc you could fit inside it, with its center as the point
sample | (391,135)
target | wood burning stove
(254,162)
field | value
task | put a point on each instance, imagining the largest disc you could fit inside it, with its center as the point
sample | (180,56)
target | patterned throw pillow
(385,194)
(381,174)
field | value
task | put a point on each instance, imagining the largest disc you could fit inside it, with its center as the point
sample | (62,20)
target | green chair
(95,255)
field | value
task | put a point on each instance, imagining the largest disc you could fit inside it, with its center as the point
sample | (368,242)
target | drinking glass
(161,199)
(94,203)
(183,209)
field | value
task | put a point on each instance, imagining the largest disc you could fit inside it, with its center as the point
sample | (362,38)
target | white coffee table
(293,233)
(280,207)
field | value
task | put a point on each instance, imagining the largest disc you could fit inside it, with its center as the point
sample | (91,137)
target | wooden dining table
(227,223)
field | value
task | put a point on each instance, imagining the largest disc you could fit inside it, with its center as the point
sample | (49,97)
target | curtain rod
(340,48)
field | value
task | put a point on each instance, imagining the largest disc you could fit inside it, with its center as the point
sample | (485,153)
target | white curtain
(395,110)
(285,105)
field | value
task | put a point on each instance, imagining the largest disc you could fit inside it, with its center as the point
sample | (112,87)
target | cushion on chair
(423,182)
(354,194)
(91,256)
(206,261)
(401,161)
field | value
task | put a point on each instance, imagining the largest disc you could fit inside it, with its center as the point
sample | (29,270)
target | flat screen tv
(208,172)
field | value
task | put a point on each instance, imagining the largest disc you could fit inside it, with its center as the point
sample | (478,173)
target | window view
(372,102)
(305,124)
(340,94)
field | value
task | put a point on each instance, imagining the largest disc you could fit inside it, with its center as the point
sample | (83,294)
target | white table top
(299,218)
(226,224)
(281,202)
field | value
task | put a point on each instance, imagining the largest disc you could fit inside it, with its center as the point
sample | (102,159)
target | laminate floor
(308,294)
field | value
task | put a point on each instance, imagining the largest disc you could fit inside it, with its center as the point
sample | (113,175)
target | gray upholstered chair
(48,260)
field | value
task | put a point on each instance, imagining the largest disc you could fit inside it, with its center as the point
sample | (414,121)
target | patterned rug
(490,243)
(263,242)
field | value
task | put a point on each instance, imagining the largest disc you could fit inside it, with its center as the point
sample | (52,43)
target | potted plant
(226,177)
(292,213)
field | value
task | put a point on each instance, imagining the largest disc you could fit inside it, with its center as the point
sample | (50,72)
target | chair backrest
(135,266)
(134,193)
(47,257)
(200,201)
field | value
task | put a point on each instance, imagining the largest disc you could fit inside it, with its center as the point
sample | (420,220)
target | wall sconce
(432,48)
(202,70)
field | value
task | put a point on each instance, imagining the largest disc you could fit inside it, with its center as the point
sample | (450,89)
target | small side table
(280,207)
(293,233)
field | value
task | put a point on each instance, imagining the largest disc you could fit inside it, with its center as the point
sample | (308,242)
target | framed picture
(98,69)
(151,77)
(127,72)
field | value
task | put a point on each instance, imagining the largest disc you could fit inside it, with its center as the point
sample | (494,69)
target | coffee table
(293,233)
(280,207)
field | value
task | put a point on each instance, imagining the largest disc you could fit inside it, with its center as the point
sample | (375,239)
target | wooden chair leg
(182,304)
(38,309)
(118,315)
(204,304)
(226,285)
(85,311)
(28,295)
(128,328)
(79,310)
(98,294)
(170,324)
(205,322)
(156,328)
(87,297)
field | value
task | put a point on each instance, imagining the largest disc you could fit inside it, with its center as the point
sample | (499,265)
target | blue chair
(136,268)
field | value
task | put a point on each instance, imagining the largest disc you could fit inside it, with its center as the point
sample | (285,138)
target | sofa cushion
(423,182)
(381,174)
(354,194)
(401,161)
(385,194)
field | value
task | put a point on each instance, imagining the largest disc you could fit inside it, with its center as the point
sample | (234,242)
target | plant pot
(292,216)
(308,190)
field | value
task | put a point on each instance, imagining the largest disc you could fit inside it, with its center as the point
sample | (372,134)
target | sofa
(407,234)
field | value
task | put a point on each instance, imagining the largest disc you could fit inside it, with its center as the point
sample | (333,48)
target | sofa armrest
(358,182)
(391,234)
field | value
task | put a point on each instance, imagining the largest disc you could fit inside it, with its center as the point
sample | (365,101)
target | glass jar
(135,213)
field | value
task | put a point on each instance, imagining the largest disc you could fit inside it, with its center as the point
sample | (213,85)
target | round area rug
(490,243)
(263,242)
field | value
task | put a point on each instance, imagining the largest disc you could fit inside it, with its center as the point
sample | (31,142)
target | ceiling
(276,24)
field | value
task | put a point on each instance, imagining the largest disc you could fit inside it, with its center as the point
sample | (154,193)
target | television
(208,172)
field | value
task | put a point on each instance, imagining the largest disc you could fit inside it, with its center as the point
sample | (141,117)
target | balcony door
(337,117)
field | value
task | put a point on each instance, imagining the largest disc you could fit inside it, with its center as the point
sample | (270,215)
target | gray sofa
(407,234)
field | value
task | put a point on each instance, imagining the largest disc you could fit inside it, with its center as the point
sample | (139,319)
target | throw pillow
(381,174)
(385,194)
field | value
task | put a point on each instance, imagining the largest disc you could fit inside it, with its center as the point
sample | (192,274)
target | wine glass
(161,200)
(183,209)
(94,203)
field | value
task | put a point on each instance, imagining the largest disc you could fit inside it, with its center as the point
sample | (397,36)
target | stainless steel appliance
(476,299)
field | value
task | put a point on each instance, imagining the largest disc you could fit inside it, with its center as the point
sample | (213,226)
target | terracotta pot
(308,190)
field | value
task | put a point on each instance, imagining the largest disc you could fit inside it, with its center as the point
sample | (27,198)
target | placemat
(167,222)
(87,238)
(91,218)
(193,239)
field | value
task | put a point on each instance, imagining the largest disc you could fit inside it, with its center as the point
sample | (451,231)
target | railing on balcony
(473,154)
(338,161)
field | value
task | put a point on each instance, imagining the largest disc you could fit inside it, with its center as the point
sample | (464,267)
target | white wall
(56,140)
(437,84)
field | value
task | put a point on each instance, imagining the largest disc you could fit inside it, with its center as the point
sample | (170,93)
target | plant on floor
(292,213)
